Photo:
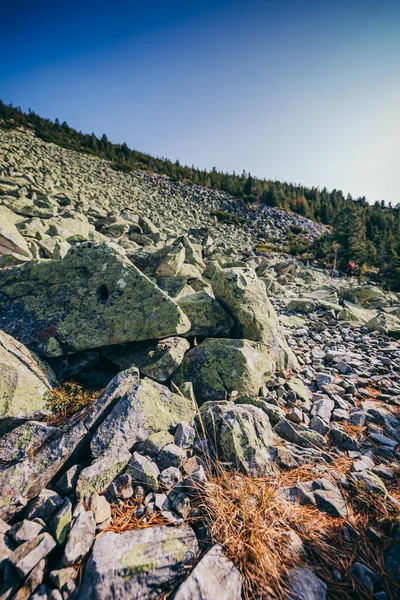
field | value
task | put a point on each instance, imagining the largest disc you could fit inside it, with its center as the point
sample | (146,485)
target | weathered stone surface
(80,538)
(101,472)
(303,584)
(243,435)
(321,492)
(61,521)
(16,444)
(157,361)
(96,298)
(143,471)
(139,564)
(11,241)
(215,576)
(385,323)
(149,408)
(206,315)
(24,480)
(217,367)
(24,381)
(27,555)
(246,297)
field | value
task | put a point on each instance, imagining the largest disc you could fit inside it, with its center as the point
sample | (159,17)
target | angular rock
(148,408)
(246,297)
(80,538)
(24,480)
(61,521)
(143,471)
(215,576)
(206,315)
(24,382)
(141,564)
(29,554)
(303,584)
(101,472)
(11,241)
(96,298)
(217,367)
(242,433)
(157,361)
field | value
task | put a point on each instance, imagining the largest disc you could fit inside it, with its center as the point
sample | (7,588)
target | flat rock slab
(94,297)
(140,564)
(215,576)
(24,480)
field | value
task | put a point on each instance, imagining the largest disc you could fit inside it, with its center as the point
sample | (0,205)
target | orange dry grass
(245,516)
(66,400)
(124,518)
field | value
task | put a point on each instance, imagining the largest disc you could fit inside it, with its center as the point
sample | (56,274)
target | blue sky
(303,91)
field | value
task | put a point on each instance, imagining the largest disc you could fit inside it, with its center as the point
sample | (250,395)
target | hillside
(187,410)
(368,234)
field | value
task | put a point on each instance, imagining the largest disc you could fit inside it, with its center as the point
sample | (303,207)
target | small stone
(45,505)
(303,584)
(26,530)
(61,521)
(143,470)
(184,435)
(295,415)
(168,478)
(30,553)
(121,487)
(99,507)
(171,456)
(182,505)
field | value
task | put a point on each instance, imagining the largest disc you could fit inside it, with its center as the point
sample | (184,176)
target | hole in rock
(102,294)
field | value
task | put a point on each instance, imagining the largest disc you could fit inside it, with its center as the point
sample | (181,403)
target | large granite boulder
(93,297)
(219,366)
(141,564)
(147,408)
(24,381)
(246,297)
(242,434)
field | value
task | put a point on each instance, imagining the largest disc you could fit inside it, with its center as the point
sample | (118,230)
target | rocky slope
(206,355)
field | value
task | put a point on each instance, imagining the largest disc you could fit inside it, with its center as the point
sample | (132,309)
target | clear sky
(306,91)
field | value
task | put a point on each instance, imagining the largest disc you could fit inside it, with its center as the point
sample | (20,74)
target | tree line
(368,234)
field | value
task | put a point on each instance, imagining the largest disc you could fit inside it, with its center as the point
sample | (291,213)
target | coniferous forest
(366,233)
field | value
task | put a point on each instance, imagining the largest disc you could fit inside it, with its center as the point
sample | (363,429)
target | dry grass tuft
(66,400)
(124,518)
(245,516)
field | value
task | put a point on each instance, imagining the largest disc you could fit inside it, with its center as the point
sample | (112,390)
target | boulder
(206,315)
(215,576)
(24,382)
(23,480)
(93,297)
(385,323)
(147,408)
(217,367)
(157,361)
(141,564)
(242,434)
(246,297)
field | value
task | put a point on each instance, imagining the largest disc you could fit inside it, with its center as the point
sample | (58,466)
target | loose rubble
(204,352)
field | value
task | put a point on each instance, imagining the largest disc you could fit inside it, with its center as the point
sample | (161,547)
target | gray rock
(61,521)
(157,361)
(100,508)
(243,435)
(141,564)
(392,561)
(114,291)
(215,576)
(304,585)
(143,471)
(184,435)
(121,487)
(101,472)
(169,477)
(148,408)
(206,315)
(323,409)
(80,538)
(30,553)
(26,530)
(171,456)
